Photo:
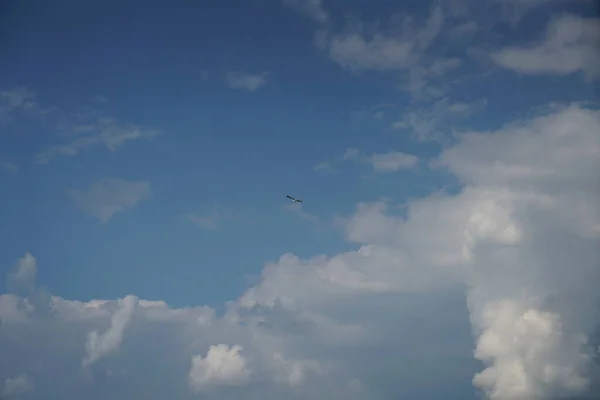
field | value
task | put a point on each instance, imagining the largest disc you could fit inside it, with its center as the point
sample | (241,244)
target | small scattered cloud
(570,45)
(312,8)
(247,81)
(17,386)
(110,196)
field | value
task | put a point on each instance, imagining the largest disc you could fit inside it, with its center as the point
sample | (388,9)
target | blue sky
(146,150)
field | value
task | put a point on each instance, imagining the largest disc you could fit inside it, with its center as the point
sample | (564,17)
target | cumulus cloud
(247,81)
(570,45)
(222,365)
(109,196)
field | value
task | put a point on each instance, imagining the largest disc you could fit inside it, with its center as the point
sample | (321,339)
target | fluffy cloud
(247,81)
(570,45)
(223,365)
(109,196)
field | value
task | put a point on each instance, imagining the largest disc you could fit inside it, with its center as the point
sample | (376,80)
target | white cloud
(222,365)
(570,45)
(109,196)
(312,8)
(247,81)
(17,385)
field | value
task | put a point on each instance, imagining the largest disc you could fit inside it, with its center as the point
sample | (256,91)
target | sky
(447,155)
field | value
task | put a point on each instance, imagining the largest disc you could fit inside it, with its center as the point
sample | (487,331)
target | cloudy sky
(447,153)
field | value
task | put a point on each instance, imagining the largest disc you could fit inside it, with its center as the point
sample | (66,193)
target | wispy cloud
(9,167)
(110,196)
(209,221)
(17,385)
(570,45)
(388,162)
(298,209)
(247,81)
(218,215)
(19,99)
(105,132)
(81,128)
(312,8)
(431,122)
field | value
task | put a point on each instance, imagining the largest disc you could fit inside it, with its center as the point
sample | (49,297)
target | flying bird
(294,200)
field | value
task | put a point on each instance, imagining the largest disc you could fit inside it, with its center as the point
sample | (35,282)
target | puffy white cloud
(247,81)
(109,196)
(372,322)
(570,45)
(223,365)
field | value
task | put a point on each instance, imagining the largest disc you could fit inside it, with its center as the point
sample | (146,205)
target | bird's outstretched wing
(290,197)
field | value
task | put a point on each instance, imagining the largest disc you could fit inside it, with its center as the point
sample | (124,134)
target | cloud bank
(511,259)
